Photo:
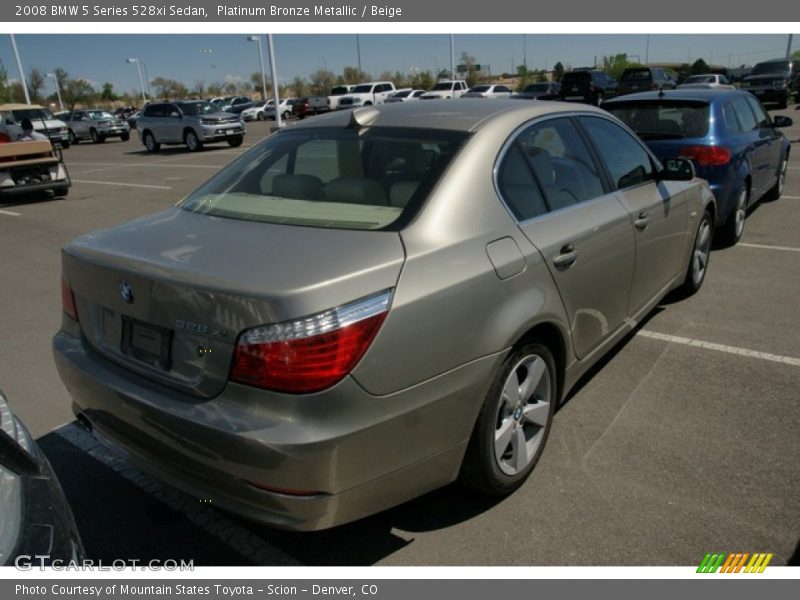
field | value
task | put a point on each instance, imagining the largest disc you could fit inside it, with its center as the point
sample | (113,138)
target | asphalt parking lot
(683,441)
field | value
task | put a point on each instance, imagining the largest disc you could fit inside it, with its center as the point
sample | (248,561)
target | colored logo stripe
(734,562)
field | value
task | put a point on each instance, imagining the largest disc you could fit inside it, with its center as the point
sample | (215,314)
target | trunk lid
(166,296)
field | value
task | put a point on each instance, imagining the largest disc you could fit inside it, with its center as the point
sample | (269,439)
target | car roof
(446,114)
(13,106)
(697,94)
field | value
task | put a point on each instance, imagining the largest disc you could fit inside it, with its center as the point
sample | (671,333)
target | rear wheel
(698,261)
(192,141)
(150,143)
(514,422)
(776,190)
(733,228)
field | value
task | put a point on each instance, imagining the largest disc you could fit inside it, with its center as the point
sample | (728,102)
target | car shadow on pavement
(178,151)
(30,199)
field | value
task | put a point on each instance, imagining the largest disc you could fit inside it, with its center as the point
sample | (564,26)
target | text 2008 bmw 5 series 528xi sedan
(371,305)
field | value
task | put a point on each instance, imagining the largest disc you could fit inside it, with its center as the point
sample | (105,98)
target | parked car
(405,96)
(488,91)
(320,104)
(192,122)
(37,524)
(237,104)
(133,119)
(12,115)
(731,139)
(640,79)
(774,81)
(96,125)
(366,94)
(446,89)
(713,81)
(587,86)
(547,90)
(302,109)
(255,112)
(244,344)
(285,108)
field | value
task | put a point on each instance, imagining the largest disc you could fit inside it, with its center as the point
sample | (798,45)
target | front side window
(627,161)
(374,178)
(762,118)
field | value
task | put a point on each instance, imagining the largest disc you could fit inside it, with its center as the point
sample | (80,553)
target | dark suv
(774,80)
(587,86)
(643,79)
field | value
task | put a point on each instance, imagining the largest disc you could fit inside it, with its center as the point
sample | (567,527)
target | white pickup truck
(321,104)
(367,94)
(446,88)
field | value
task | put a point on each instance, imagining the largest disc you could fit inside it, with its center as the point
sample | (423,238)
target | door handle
(642,220)
(566,257)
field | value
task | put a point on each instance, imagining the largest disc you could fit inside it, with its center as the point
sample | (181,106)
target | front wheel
(698,261)
(776,190)
(125,137)
(235,142)
(193,143)
(73,139)
(732,229)
(514,422)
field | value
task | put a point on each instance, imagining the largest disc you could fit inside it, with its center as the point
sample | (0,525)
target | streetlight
(274,74)
(257,38)
(58,90)
(135,61)
(19,66)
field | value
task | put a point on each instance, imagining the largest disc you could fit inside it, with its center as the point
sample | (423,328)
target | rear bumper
(350,453)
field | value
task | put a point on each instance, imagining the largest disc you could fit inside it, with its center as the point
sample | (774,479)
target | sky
(209,58)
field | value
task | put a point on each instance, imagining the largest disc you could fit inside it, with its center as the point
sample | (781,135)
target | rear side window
(553,155)
(746,118)
(627,161)
(732,124)
(334,178)
(636,75)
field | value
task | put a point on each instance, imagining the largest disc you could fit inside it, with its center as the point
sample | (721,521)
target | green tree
(167,89)
(77,91)
(796,54)
(471,73)
(353,75)
(401,80)
(299,87)
(558,71)
(199,89)
(321,82)
(423,80)
(3,83)
(107,94)
(36,83)
(699,67)
(615,65)
(524,77)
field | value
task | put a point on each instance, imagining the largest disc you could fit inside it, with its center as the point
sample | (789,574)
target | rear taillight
(309,354)
(68,301)
(707,156)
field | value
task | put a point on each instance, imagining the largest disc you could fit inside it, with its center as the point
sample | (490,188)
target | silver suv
(96,125)
(194,123)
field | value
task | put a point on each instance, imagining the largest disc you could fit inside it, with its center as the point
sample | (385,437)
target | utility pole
(788,46)
(19,66)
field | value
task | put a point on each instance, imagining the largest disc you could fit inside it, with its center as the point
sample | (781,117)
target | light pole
(257,38)
(58,90)
(452,60)
(146,79)
(135,61)
(789,46)
(274,74)
(358,51)
(19,66)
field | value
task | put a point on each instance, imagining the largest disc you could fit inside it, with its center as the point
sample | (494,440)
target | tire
(94,136)
(65,144)
(260,116)
(125,137)
(698,260)
(61,192)
(285,116)
(732,229)
(150,143)
(73,139)
(776,190)
(513,423)
(192,142)
(236,141)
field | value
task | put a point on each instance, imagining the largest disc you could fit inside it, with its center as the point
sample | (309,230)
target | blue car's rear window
(663,119)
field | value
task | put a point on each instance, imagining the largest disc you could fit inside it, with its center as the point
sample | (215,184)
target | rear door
(658,213)
(771,145)
(553,187)
(757,145)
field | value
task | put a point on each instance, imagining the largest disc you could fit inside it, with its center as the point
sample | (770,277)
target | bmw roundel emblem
(126,291)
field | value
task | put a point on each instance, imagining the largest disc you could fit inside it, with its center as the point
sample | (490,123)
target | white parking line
(118,183)
(791,197)
(9,213)
(765,247)
(674,339)
(234,536)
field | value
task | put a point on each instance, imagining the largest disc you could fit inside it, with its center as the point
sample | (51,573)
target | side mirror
(677,169)
(781,121)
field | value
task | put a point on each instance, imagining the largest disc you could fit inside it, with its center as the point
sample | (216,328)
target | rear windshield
(659,120)
(374,178)
(576,76)
(445,85)
(636,75)
(339,91)
(778,66)
(99,114)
